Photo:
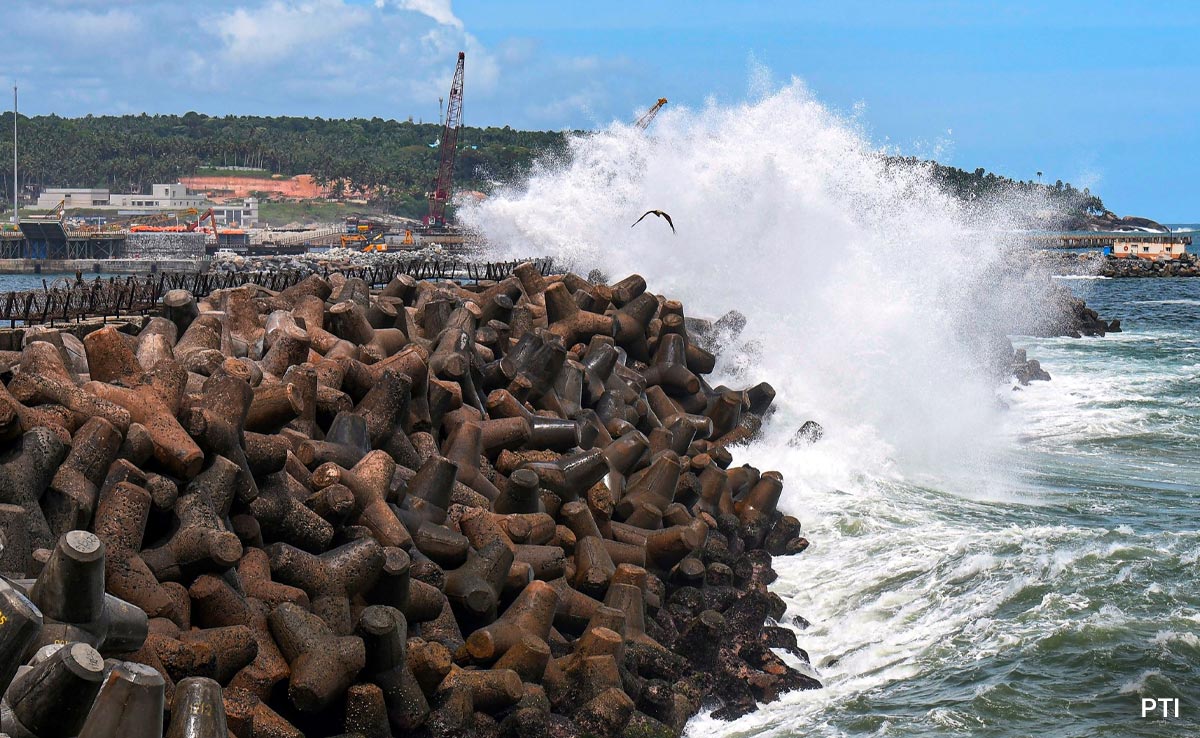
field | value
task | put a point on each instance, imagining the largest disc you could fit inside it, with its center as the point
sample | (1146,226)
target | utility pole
(16,218)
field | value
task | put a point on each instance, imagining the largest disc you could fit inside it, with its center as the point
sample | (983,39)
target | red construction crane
(649,114)
(445,175)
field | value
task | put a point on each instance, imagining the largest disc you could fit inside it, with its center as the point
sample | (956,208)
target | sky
(1100,94)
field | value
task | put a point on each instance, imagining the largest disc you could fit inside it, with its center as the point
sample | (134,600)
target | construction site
(188,226)
(161,238)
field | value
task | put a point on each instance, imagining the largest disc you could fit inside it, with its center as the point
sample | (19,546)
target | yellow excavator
(367,237)
(377,242)
(366,242)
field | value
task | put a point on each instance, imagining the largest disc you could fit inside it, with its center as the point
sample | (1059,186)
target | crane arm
(643,122)
(193,226)
(440,195)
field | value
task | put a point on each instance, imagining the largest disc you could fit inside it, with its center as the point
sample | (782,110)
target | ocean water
(984,561)
(23,282)
(1051,605)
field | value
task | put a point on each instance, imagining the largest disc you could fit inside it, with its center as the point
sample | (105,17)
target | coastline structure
(1148,245)
(500,508)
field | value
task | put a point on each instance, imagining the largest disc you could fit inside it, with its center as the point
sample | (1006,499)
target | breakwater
(1101,265)
(499,508)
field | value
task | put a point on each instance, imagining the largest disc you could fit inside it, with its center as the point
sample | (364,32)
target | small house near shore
(1145,246)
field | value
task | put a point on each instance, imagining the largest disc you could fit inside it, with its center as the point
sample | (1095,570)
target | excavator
(367,243)
(212,218)
(366,236)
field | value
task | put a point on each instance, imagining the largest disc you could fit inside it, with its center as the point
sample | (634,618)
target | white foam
(1138,685)
(860,279)
(859,282)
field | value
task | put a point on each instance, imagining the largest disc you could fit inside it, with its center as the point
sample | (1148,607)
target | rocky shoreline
(433,509)
(1099,265)
(492,509)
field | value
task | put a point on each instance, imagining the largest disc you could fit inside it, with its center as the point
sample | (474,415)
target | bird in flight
(660,214)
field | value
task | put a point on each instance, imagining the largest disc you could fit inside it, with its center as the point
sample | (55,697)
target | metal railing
(112,298)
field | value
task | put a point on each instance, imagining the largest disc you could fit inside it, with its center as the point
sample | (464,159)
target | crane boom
(445,174)
(191,227)
(648,116)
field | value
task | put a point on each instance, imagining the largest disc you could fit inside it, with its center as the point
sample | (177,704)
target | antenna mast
(16,215)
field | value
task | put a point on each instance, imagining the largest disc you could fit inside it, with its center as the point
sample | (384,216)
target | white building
(75,198)
(1154,247)
(162,197)
(244,213)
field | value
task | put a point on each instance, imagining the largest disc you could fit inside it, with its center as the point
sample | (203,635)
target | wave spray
(866,287)
(873,300)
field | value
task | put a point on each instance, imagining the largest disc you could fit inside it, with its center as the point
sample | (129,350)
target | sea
(986,559)
(24,282)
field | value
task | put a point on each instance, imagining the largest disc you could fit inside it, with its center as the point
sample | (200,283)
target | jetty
(1120,244)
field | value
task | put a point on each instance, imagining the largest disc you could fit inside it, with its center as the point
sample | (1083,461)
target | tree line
(391,162)
(1070,203)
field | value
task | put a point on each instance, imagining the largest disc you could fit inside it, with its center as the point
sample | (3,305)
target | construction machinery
(365,242)
(440,195)
(212,218)
(376,243)
(367,236)
(647,117)
(58,213)
(151,223)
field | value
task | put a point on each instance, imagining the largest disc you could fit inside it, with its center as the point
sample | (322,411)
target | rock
(807,434)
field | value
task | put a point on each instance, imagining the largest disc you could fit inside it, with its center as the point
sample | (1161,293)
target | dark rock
(808,433)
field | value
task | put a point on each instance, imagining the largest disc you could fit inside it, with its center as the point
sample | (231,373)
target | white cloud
(439,10)
(279,29)
(333,58)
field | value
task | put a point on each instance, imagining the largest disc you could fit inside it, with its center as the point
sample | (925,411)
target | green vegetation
(281,213)
(392,163)
(983,185)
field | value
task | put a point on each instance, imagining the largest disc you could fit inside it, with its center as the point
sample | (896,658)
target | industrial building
(162,197)
(243,213)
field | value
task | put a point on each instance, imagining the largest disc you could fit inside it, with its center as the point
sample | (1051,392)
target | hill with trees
(391,161)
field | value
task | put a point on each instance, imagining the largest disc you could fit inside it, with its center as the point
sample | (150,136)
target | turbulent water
(984,562)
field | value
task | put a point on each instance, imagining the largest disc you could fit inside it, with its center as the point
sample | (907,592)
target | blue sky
(1097,93)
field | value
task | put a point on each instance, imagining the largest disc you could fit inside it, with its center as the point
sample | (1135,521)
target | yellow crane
(58,212)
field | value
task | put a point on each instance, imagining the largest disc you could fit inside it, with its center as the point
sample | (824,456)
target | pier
(48,239)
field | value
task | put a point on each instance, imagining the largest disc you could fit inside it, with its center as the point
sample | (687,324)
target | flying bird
(660,214)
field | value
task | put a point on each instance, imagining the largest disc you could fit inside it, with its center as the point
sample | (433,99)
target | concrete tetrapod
(491,508)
